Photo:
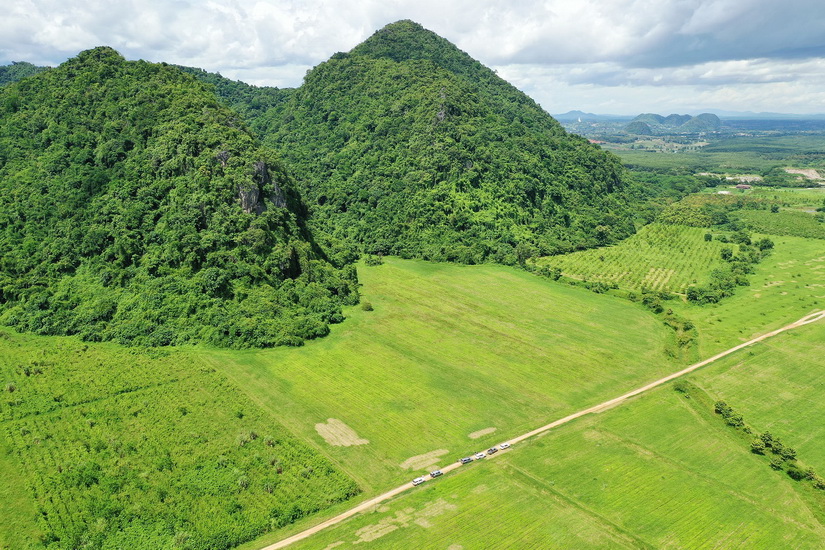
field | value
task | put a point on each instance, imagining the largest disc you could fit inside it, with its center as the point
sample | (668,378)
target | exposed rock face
(250,195)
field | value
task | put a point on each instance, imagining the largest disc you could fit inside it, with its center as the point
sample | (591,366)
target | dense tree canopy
(18,70)
(408,146)
(134,207)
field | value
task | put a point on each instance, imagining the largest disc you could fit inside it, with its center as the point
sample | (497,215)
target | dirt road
(364,506)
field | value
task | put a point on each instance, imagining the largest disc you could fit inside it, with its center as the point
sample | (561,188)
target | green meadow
(659,472)
(448,360)
(662,471)
(784,222)
(779,386)
(452,359)
(732,155)
(785,286)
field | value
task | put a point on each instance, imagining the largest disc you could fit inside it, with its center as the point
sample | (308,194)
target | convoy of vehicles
(465,460)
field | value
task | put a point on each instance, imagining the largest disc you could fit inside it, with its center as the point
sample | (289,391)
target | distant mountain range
(649,124)
(581,116)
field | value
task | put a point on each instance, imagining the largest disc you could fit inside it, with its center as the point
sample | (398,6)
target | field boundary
(364,506)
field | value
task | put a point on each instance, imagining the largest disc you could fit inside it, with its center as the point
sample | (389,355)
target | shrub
(373,260)
(795,473)
(366,306)
(722,408)
(758,446)
(788,453)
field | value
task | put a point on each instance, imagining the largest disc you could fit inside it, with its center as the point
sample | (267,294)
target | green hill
(134,207)
(653,124)
(18,70)
(639,127)
(408,146)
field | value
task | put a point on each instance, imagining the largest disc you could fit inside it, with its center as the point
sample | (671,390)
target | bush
(758,446)
(373,260)
(366,306)
(788,453)
(795,473)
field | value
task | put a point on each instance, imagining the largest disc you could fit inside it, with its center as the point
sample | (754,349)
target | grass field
(779,385)
(658,257)
(451,360)
(450,352)
(106,447)
(785,222)
(658,472)
(734,155)
(784,287)
(794,198)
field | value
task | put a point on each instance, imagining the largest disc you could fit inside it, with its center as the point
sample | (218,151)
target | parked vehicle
(504,446)
(465,460)
(436,473)
(479,456)
(492,450)
(418,481)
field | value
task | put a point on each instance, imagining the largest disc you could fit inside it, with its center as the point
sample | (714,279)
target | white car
(418,481)
(504,446)
(480,456)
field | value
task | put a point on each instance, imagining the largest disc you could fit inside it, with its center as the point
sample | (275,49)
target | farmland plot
(135,449)
(658,257)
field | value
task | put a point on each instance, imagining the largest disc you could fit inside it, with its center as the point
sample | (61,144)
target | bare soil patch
(420,462)
(482,433)
(338,434)
(808,173)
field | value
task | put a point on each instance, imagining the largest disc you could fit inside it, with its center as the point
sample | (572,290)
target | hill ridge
(135,208)
(406,145)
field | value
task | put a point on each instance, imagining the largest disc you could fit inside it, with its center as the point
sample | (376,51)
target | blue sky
(603,56)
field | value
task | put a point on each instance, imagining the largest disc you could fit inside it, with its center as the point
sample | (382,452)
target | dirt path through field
(364,506)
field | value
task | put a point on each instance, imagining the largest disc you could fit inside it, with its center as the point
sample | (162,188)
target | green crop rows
(658,257)
(123,449)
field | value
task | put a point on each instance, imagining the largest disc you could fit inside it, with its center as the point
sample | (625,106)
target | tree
(764,244)
(794,472)
(758,446)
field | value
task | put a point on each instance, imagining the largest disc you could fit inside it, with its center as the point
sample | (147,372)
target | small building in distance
(743,186)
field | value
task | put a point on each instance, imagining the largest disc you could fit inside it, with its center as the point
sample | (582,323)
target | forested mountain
(134,207)
(17,70)
(408,146)
(253,102)
(652,124)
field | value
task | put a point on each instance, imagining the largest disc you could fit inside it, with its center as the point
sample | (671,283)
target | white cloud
(579,48)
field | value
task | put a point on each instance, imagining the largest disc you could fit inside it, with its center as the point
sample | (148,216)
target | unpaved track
(364,506)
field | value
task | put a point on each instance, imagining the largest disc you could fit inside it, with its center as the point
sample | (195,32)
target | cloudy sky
(603,56)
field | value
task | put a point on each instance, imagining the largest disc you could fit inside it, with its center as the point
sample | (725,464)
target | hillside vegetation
(18,70)
(135,208)
(408,146)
